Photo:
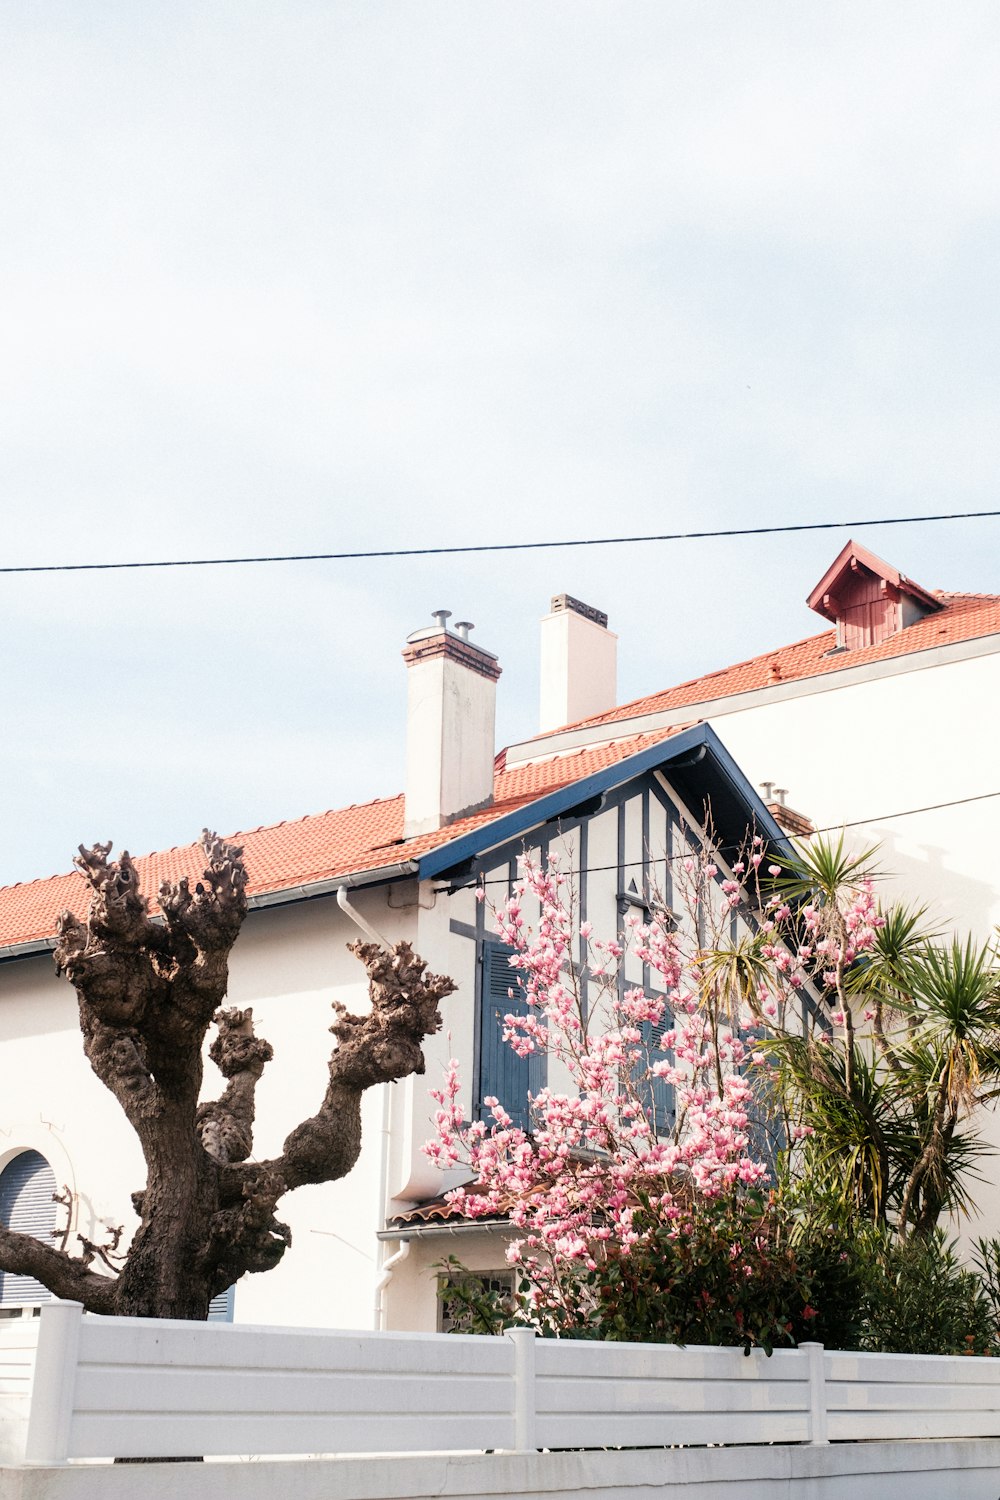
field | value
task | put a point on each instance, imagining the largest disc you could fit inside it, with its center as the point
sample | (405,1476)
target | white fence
(76,1387)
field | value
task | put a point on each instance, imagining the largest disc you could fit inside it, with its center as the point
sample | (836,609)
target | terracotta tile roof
(440,1211)
(321,847)
(964,617)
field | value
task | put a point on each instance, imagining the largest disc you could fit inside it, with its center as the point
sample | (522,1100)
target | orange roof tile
(320,847)
(963,617)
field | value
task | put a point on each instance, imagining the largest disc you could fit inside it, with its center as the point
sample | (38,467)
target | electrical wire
(670,859)
(597,541)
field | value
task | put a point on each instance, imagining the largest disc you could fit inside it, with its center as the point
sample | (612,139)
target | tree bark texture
(148,990)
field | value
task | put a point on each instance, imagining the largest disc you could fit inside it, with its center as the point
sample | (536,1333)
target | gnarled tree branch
(148,989)
(225,1126)
(67,1276)
(380,1047)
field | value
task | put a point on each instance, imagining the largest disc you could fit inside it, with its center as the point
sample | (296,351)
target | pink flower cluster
(594,1153)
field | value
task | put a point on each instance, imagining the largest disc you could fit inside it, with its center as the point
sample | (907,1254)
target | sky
(297,277)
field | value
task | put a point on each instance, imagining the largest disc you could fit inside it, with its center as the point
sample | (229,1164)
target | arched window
(26,1203)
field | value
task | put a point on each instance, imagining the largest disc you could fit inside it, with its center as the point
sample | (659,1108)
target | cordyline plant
(886,1097)
(787,1004)
(148,992)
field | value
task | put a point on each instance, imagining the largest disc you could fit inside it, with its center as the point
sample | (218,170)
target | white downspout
(360,921)
(383,1266)
(387,1269)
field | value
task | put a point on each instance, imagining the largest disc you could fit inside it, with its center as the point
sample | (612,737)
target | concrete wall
(966,1469)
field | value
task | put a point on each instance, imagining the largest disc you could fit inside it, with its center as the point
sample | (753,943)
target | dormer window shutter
(657,1094)
(502,1074)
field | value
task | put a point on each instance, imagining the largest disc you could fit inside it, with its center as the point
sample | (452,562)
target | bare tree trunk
(148,990)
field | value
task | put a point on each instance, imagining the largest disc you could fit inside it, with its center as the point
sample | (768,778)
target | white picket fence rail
(78,1387)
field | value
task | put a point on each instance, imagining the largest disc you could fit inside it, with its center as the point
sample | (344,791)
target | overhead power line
(592,541)
(673,859)
(910,811)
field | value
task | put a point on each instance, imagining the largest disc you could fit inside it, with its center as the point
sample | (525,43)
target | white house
(618,802)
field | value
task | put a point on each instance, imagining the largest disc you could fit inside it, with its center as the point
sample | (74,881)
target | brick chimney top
(793,822)
(438,641)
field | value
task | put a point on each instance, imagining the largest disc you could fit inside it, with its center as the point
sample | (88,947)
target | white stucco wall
(289,963)
(885,746)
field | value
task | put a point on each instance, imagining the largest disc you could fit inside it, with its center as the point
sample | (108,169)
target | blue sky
(313,277)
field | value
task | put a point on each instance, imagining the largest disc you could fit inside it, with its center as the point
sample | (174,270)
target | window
(657,1094)
(454,1294)
(27,1204)
(502,1074)
(765,1124)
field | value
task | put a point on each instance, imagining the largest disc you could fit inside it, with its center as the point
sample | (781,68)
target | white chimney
(579,663)
(450,725)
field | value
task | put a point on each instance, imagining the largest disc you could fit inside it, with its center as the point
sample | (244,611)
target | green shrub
(921,1300)
(741,1271)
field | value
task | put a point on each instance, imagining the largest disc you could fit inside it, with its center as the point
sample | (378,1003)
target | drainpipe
(383,1266)
(358,920)
(388,1267)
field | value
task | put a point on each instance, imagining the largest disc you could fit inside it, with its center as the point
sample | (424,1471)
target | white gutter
(419,1231)
(400,870)
(27,950)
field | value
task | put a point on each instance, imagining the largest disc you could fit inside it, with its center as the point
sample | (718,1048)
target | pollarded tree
(148,991)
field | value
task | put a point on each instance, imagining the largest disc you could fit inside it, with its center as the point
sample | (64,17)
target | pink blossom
(571,1185)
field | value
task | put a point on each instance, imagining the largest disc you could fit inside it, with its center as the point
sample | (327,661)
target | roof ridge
(677,687)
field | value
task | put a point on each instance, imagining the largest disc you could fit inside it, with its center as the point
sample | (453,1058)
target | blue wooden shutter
(220,1309)
(765,1126)
(502,1074)
(26,1204)
(657,1094)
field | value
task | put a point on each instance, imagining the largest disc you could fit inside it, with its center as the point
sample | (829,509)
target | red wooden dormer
(868,600)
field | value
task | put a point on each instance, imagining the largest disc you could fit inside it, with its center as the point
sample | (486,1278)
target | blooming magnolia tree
(777,1002)
(594,1158)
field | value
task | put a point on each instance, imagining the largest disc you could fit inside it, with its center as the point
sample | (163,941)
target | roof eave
(290,895)
(672,748)
(32,948)
(309,890)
